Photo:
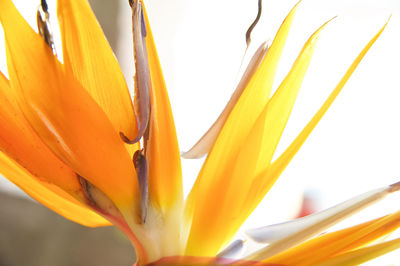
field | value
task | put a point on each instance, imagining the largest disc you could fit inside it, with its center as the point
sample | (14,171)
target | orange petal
(49,195)
(163,155)
(89,56)
(64,115)
(21,143)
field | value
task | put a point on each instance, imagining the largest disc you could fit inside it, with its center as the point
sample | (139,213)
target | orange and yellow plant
(71,138)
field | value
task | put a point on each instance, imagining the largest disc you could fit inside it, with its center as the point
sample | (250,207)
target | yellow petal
(267,130)
(362,255)
(270,174)
(64,115)
(230,188)
(49,195)
(242,117)
(88,55)
(328,245)
(163,155)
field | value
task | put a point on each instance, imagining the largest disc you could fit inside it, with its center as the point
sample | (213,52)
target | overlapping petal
(331,244)
(230,177)
(19,141)
(267,177)
(64,115)
(88,55)
(243,115)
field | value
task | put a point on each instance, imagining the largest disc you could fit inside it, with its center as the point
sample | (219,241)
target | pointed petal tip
(389,18)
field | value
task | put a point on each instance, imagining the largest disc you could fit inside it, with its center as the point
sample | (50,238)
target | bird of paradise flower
(71,138)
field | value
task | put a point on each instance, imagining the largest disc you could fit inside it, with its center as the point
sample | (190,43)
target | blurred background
(355,147)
